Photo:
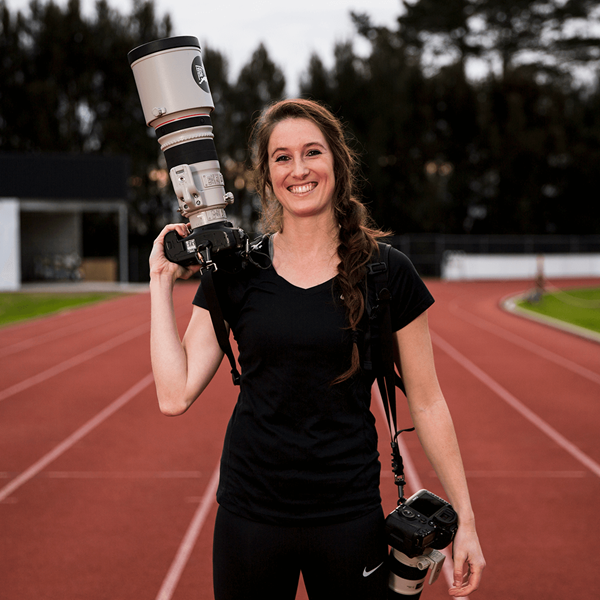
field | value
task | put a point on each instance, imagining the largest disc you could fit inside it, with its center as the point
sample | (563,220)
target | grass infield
(18,306)
(578,306)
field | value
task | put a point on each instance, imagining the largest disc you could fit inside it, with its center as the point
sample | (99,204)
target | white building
(42,201)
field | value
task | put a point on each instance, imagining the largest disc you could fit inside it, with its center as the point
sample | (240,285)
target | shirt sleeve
(200,298)
(229,289)
(410,296)
(221,288)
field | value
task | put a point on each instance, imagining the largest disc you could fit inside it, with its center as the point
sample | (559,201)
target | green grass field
(20,306)
(579,307)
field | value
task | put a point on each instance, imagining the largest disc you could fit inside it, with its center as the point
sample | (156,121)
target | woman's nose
(300,169)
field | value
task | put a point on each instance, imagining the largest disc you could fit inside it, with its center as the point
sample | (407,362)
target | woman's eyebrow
(307,145)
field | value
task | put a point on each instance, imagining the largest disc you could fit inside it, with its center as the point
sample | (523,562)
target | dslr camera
(416,530)
(176,100)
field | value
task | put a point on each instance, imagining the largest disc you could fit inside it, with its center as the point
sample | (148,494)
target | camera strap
(216,315)
(255,255)
(379,353)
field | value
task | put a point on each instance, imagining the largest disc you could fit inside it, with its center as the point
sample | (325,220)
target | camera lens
(177,103)
(406,579)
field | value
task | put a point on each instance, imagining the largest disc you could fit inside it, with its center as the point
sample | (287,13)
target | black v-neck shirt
(299,449)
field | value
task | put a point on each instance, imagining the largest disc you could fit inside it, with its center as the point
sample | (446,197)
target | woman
(299,486)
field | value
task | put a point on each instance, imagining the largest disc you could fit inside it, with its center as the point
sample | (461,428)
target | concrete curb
(509,304)
(75,287)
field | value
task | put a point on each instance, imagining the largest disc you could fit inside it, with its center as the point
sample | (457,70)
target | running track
(103,498)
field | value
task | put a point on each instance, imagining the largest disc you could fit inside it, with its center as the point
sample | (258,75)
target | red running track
(102,497)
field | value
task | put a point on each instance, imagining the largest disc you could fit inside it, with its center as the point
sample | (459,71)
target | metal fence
(426,251)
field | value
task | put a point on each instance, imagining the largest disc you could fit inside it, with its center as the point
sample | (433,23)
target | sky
(291,31)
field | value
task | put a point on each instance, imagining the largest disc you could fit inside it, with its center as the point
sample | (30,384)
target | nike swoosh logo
(367,573)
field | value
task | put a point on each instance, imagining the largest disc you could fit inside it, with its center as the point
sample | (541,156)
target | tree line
(514,149)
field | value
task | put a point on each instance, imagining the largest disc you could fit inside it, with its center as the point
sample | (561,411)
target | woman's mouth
(302,189)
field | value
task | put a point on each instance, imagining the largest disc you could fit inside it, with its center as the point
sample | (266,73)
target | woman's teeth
(302,189)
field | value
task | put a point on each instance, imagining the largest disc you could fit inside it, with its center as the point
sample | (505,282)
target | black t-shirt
(299,449)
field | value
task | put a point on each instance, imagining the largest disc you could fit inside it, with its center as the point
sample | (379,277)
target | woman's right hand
(160,265)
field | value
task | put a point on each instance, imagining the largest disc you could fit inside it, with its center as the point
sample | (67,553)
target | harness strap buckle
(376,268)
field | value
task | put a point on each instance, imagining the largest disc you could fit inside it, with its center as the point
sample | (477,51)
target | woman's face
(301,168)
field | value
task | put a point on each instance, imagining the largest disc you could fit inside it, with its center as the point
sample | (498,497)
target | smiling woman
(299,480)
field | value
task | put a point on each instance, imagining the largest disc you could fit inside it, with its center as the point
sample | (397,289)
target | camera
(176,101)
(416,530)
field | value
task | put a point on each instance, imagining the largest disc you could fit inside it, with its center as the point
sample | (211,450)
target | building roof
(63,176)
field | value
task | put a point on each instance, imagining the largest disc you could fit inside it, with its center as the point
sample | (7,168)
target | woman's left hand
(468,562)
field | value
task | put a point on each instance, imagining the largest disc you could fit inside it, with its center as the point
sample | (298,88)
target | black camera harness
(378,354)
(216,316)
(252,254)
(378,340)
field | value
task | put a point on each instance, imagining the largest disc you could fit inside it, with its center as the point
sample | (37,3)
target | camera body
(416,530)
(423,521)
(221,240)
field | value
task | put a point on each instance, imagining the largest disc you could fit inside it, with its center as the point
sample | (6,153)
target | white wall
(461,266)
(10,246)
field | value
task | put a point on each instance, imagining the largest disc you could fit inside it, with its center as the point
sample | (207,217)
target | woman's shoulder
(394,259)
(409,294)
(400,273)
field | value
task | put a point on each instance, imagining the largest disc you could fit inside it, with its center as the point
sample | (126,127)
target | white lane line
(527,474)
(74,361)
(67,443)
(511,474)
(115,475)
(511,400)
(187,545)
(83,357)
(58,333)
(524,343)
(413,476)
(123,474)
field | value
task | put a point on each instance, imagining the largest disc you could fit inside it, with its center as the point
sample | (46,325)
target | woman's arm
(182,369)
(435,429)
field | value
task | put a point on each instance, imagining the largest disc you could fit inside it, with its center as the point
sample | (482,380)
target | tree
(315,82)
(67,85)
(553,35)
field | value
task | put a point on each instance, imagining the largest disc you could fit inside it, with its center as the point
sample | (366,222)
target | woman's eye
(281,158)
(314,152)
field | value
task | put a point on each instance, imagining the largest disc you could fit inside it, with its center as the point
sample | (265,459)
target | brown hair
(357,234)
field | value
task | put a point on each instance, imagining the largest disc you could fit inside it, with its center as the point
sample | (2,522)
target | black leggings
(258,561)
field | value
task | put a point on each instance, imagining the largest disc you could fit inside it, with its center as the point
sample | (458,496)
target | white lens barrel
(406,576)
(171,79)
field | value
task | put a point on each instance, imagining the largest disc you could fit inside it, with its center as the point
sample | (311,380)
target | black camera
(177,103)
(416,530)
